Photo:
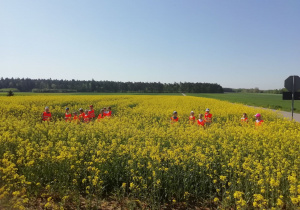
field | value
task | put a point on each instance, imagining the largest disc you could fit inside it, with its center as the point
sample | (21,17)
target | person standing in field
(258,121)
(174,118)
(101,115)
(91,112)
(208,117)
(192,118)
(200,121)
(244,118)
(46,115)
(81,115)
(68,116)
(75,118)
(109,111)
(86,117)
(105,112)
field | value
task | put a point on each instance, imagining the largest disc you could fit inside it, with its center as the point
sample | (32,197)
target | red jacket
(174,119)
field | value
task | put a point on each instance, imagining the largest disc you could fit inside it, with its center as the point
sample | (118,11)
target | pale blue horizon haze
(237,44)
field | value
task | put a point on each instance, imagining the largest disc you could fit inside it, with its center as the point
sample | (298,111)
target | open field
(137,156)
(272,101)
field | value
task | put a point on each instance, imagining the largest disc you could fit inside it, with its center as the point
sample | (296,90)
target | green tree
(10,93)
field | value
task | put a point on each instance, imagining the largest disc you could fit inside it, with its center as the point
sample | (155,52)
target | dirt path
(283,114)
(289,115)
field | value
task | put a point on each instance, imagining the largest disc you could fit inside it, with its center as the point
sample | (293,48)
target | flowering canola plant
(138,153)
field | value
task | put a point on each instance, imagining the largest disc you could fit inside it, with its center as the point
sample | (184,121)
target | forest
(54,85)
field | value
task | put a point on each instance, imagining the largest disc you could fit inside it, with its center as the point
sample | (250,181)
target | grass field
(272,101)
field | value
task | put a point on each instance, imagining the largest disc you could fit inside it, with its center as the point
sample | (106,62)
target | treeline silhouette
(54,85)
(254,90)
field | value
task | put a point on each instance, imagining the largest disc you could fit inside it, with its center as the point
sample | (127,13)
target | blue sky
(238,44)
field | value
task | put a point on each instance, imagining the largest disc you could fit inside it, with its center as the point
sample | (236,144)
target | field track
(289,115)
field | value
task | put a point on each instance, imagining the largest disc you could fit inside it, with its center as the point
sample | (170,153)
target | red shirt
(91,113)
(86,118)
(174,119)
(208,117)
(109,113)
(244,119)
(68,117)
(106,114)
(258,122)
(46,116)
(201,122)
(100,116)
(192,118)
(76,119)
(81,116)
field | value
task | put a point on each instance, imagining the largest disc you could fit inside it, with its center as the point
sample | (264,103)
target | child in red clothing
(192,118)
(174,118)
(244,119)
(86,117)
(68,116)
(105,112)
(81,115)
(100,116)
(200,121)
(109,111)
(91,112)
(208,117)
(258,121)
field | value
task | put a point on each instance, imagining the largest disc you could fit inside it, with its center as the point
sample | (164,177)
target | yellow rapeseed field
(139,154)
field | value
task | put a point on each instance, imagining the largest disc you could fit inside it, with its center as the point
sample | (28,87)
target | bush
(10,93)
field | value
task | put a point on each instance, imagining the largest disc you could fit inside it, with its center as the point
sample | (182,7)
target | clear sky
(238,44)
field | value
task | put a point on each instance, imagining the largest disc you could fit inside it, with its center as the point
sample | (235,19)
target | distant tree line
(254,90)
(53,85)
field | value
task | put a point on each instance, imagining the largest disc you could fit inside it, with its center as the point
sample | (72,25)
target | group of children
(89,115)
(192,119)
(84,116)
(258,121)
(208,118)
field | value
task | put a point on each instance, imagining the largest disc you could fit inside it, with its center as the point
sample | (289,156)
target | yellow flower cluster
(138,153)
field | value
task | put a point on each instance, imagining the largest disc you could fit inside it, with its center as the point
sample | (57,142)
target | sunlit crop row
(138,154)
